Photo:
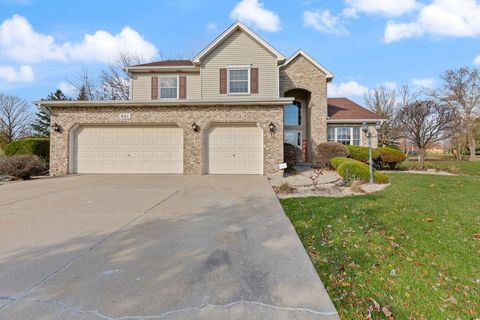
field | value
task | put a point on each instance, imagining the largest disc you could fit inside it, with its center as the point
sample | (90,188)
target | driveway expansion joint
(80,310)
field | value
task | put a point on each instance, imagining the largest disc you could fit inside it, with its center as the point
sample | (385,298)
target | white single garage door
(128,149)
(235,149)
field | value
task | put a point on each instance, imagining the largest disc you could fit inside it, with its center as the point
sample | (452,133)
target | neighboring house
(226,111)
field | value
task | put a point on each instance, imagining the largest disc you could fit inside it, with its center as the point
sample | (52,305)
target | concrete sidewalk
(153,247)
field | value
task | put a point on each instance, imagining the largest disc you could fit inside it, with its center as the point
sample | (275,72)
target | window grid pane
(345,135)
(292,115)
(238,87)
(331,133)
(168,88)
(238,81)
(356,136)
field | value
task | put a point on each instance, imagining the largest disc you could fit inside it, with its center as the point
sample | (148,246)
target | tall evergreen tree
(41,125)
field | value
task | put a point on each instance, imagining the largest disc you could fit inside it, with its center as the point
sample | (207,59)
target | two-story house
(228,110)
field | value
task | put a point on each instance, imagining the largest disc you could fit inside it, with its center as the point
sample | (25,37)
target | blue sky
(365,43)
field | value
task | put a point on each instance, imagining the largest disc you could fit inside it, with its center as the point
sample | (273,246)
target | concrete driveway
(152,247)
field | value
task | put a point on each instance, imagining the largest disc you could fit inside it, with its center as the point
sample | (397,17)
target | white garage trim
(126,149)
(234,149)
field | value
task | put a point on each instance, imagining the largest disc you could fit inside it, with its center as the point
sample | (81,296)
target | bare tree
(114,79)
(15,117)
(426,122)
(461,90)
(382,101)
(86,85)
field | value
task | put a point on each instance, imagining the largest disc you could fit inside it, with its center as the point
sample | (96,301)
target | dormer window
(168,87)
(239,80)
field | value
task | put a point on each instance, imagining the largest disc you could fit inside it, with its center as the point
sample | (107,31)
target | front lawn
(465,167)
(413,249)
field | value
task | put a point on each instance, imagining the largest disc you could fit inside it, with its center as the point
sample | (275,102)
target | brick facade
(300,73)
(69,118)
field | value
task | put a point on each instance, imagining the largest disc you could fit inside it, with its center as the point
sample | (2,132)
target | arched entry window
(292,114)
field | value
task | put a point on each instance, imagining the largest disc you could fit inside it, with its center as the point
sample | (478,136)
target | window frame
(352,139)
(299,115)
(298,137)
(239,68)
(160,86)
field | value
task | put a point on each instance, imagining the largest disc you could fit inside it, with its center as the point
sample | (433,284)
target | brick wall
(302,74)
(70,117)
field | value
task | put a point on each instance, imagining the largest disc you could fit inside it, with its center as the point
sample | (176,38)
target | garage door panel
(235,149)
(129,149)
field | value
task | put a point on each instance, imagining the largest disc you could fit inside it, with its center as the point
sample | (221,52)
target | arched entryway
(296,121)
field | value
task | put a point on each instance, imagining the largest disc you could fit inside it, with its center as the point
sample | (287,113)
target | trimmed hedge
(337,161)
(350,169)
(390,157)
(29,146)
(290,156)
(361,153)
(328,150)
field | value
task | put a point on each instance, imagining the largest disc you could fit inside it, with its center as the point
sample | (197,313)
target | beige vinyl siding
(239,49)
(141,85)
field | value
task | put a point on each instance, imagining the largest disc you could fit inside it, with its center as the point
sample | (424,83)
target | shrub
(389,158)
(337,161)
(286,188)
(328,150)
(290,155)
(29,146)
(361,153)
(350,169)
(22,166)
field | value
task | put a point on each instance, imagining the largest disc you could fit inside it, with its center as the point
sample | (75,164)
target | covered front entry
(234,149)
(128,149)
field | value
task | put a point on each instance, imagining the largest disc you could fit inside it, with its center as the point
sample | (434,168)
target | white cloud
(211,27)
(20,42)
(67,88)
(344,89)
(324,21)
(103,46)
(477,60)
(390,85)
(253,13)
(390,8)
(24,74)
(441,18)
(424,83)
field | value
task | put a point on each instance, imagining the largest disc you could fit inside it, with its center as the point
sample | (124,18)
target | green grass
(464,167)
(424,227)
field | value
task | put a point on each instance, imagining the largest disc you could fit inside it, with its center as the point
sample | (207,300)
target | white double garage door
(228,149)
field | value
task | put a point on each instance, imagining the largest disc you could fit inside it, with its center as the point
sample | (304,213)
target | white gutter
(154,103)
(355,120)
(159,68)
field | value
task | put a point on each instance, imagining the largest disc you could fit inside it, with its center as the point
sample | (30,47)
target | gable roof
(234,27)
(346,109)
(309,58)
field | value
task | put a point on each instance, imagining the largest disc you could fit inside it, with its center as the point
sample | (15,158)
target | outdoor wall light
(56,127)
(195,127)
(271,126)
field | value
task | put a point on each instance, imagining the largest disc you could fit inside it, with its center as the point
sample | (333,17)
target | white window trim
(240,67)
(351,135)
(160,87)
